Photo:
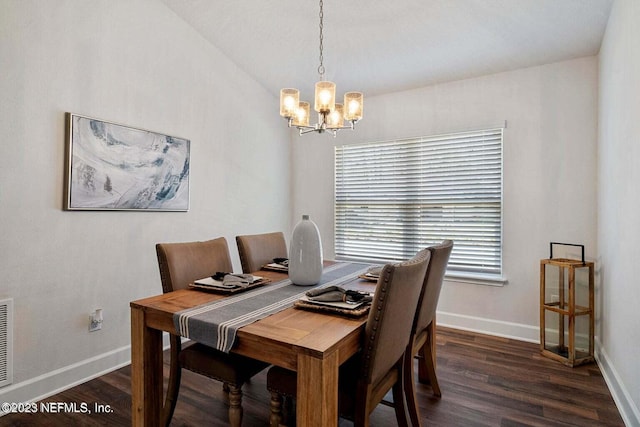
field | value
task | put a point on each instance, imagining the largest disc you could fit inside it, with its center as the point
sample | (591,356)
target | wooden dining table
(312,343)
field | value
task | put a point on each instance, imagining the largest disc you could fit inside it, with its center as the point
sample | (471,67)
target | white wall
(135,63)
(618,205)
(549,175)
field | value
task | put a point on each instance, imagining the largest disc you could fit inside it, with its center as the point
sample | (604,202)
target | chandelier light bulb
(289,102)
(289,99)
(353,106)
(354,103)
(302,115)
(325,96)
(335,120)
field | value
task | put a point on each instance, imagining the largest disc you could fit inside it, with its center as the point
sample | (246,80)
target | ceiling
(378,47)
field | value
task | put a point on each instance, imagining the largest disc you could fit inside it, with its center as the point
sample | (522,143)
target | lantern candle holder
(567,309)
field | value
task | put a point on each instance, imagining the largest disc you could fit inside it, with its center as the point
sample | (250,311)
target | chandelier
(331,115)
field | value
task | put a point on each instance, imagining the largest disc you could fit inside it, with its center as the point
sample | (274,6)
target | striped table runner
(215,324)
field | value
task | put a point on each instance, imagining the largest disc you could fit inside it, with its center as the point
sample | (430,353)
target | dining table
(312,343)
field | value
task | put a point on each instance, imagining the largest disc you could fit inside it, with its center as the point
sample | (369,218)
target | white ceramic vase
(305,253)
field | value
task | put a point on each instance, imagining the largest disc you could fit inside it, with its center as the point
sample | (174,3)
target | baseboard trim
(54,382)
(627,408)
(481,325)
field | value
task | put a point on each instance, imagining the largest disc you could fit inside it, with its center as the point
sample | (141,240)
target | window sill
(476,279)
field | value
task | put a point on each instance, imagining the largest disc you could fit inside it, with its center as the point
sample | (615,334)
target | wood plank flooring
(485,381)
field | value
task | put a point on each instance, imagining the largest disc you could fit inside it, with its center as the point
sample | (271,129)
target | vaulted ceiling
(379,47)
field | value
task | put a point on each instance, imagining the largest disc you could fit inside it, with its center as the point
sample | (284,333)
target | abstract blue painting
(117,167)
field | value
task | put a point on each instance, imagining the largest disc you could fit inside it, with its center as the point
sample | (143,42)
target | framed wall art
(116,167)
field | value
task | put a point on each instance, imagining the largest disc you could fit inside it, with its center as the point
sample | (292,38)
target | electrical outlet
(95,320)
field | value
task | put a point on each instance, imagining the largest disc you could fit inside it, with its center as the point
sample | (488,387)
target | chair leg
(235,405)
(361,419)
(410,390)
(427,365)
(173,387)
(398,401)
(288,411)
(431,372)
(362,405)
(275,418)
(225,392)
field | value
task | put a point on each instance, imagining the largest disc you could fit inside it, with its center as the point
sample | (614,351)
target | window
(395,198)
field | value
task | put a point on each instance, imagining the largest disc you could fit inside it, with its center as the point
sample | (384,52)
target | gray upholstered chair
(257,250)
(366,377)
(422,339)
(181,264)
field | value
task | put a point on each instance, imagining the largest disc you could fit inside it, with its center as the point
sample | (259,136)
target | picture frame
(116,167)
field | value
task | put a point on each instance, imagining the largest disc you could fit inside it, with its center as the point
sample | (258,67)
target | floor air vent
(6,342)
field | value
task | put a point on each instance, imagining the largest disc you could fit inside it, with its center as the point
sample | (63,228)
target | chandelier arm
(351,126)
(308,129)
(301,127)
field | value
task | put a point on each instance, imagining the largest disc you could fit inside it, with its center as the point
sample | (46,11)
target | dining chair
(366,377)
(181,264)
(422,340)
(257,250)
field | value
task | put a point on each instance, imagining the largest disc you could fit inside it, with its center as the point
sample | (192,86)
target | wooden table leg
(146,372)
(317,399)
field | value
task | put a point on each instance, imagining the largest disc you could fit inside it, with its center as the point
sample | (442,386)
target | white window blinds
(395,198)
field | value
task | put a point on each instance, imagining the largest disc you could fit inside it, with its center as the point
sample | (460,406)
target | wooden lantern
(567,309)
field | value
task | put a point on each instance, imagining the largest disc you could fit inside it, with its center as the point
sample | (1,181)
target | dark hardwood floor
(485,381)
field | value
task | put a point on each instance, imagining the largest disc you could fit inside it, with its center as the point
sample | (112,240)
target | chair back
(391,316)
(257,250)
(433,283)
(183,263)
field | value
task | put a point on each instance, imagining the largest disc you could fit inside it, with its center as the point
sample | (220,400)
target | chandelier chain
(321,66)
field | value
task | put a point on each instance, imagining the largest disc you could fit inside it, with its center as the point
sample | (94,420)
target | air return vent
(6,342)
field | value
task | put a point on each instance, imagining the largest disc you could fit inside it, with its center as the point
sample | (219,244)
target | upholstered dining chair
(422,341)
(181,264)
(257,250)
(367,376)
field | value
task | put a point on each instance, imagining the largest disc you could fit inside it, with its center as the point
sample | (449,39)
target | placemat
(220,290)
(354,312)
